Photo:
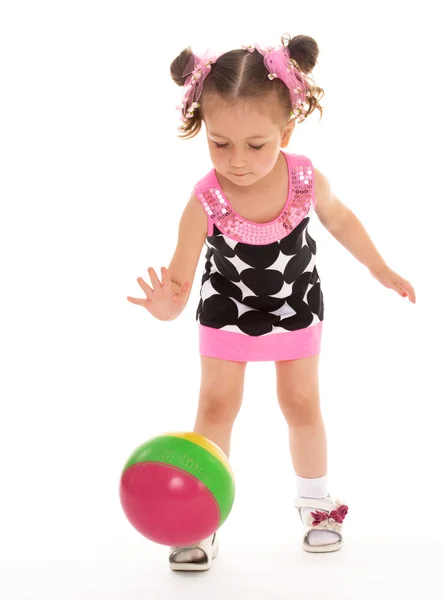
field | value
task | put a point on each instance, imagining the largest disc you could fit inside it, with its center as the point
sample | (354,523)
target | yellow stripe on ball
(207,444)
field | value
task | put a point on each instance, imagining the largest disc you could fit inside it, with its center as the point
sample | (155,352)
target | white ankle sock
(311,487)
(315,487)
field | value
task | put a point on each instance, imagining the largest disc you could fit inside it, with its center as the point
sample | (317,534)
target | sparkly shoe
(327,515)
(200,555)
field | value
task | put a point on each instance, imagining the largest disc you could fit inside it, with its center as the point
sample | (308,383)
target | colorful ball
(177,489)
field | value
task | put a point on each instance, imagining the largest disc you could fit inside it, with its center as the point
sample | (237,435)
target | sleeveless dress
(261,296)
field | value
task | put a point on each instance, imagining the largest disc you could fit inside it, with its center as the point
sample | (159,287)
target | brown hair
(241,74)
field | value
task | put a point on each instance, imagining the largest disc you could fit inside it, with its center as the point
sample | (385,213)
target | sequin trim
(241,230)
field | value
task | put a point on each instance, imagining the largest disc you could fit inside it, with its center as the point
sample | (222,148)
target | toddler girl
(261,295)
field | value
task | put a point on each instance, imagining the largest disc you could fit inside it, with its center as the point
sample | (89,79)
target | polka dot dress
(261,296)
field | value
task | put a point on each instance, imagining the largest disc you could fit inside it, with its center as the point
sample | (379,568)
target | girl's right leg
(220,399)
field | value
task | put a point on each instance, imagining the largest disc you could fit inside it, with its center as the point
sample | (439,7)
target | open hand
(164,300)
(392,280)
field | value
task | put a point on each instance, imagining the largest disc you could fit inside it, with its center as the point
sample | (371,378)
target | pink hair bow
(279,64)
(197,69)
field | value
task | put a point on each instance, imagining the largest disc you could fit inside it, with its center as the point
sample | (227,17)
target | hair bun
(178,66)
(303,49)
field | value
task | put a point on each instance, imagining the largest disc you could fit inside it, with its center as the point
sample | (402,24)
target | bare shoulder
(194,216)
(329,207)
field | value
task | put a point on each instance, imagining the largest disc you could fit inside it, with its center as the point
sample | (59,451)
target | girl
(261,296)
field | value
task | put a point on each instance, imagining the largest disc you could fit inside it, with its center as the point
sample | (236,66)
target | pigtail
(179,66)
(304,52)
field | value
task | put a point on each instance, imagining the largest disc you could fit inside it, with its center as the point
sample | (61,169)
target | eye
(225,145)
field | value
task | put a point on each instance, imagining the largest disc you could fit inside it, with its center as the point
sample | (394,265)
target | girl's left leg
(298,396)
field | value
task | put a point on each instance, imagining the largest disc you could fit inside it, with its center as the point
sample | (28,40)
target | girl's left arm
(345,226)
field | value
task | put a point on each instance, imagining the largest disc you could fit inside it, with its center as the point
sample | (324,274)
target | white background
(93,182)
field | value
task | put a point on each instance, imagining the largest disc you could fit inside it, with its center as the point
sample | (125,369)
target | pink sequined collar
(225,218)
(216,183)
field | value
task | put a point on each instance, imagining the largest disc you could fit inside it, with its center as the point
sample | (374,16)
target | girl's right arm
(166,299)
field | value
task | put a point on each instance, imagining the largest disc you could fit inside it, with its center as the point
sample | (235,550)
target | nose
(237,158)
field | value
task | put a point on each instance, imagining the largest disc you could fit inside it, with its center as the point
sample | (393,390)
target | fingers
(156,291)
(139,301)
(184,291)
(405,289)
(408,290)
(398,288)
(185,288)
(148,291)
(145,287)
(166,279)
(154,279)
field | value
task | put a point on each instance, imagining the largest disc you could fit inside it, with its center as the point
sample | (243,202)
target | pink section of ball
(168,505)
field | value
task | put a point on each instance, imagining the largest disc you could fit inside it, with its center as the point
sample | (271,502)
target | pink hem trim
(291,345)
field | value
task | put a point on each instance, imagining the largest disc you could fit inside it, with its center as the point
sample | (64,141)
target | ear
(286,135)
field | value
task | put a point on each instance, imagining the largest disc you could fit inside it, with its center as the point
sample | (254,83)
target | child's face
(244,137)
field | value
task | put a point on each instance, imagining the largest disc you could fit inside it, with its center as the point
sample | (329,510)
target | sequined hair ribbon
(197,68)
(279,64)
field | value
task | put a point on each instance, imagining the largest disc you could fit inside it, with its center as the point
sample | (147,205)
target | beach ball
(177,489)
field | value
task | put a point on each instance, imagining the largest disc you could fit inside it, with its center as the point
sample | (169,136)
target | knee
(218,407)
(300,409)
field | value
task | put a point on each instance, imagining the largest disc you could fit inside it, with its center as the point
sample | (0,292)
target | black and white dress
(261,296)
